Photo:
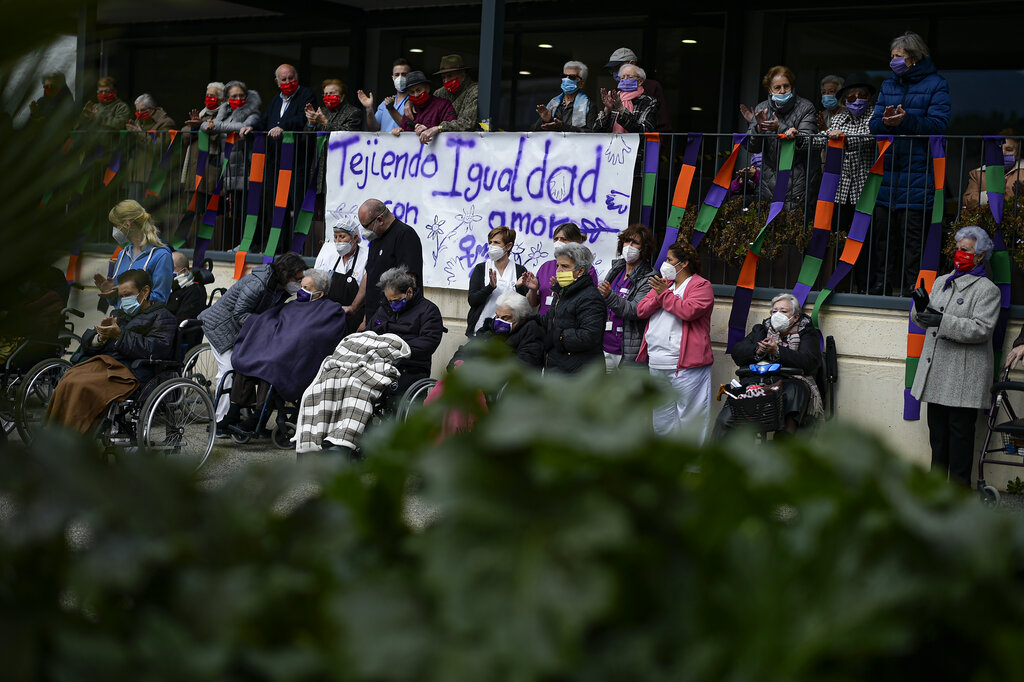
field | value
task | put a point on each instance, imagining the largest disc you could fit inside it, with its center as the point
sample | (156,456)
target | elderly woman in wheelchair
(782,354)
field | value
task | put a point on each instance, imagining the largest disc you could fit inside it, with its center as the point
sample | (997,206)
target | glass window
(177,91)
(330,61)
(254,63)
(689,69)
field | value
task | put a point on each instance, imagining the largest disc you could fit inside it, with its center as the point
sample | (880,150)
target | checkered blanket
(338,405)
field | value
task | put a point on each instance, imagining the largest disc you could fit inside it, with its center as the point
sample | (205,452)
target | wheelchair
(26,393)
(170,415)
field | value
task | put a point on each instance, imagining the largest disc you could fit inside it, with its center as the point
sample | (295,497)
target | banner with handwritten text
(454,190)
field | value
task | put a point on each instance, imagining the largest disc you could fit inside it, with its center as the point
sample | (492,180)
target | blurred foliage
(1013,227)
(566,543)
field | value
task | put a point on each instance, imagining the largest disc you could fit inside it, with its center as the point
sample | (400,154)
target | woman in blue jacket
(914,101)
(142,249)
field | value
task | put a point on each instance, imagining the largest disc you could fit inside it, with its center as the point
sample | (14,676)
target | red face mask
(211,102)
(143,115)
(288,89)
(106,97)
(420,99)
(963,261)
(236,102)
(332,101)
(453,85)
(48,91)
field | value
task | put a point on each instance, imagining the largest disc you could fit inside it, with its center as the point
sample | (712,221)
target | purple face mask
(1009,161)
(857,106)
(898,65)
(398,305)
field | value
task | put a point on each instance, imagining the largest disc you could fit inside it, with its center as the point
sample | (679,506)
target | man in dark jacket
(575,323)
(139,329)
(392,243)
(188,294)
(405,313)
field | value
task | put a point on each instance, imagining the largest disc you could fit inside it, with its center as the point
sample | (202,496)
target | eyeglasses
(366,226)
(572,76)
(853,97)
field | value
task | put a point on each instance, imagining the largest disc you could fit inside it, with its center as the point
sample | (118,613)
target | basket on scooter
(759,405)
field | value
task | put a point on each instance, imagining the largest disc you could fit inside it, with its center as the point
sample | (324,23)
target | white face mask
(119,236)
(495,252)
(399,83)
(292,288)
(631,253)
(343,247)
(780,321)
(668,271)
(184,279)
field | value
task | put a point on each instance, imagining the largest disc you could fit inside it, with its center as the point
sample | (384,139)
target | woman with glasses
(571,111)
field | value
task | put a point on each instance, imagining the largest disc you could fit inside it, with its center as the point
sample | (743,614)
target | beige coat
(955,369)
(976,185)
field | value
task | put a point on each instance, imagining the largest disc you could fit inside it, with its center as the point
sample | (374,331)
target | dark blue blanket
(286,344)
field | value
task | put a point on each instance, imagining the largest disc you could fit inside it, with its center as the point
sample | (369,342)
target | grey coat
(633,327)
(797,113)
(230,120)
(250,295)
(955,369)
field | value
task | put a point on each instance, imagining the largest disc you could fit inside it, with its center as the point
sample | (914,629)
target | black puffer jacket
(148,335)
(807,357)
(419,324)
(574,326)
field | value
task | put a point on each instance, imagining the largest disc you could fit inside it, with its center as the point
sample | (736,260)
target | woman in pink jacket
(677,343)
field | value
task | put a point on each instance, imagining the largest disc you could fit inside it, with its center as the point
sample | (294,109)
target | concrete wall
(871,344)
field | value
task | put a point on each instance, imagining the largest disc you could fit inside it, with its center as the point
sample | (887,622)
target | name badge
(608,326)
(549,299)
(623,292)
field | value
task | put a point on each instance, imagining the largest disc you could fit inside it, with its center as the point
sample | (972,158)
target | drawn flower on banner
(435,233)
(617,201)
(517,253)
(468,218)
(537,254)
(617,150)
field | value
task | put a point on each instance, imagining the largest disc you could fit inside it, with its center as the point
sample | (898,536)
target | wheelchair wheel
(34,395)
(200,366)
(414,397)
(239,438)
(282,435)
(179,422)
(9,405)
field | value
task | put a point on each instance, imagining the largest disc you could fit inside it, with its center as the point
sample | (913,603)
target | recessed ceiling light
(546,46)
(696,109)
(689,41)
(416,50)
(524,73)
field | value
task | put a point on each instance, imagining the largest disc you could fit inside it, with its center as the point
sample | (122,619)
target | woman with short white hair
(954,372)
(628,109)
(570,111)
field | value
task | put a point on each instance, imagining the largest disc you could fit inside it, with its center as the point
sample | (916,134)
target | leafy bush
(569,544)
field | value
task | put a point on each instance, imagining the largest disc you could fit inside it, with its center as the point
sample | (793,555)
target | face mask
(288,89)
(368,234)
(211,102)
(782,99)
(303,295)
(829,102)
(130,304)
(668,271)
(899,65)
(857,106)
(1009,161)
(420,99)
(501,326)
(495,252)
(564,278)
(236,102)
(399,305)
(143,115)
(292,288)
(106,97)
(332,101)
(119,236)
(343,247)
(47,90)
(780,321)
(630,253)
(963,261)
(399,83)
(453,85)
(184,279)
(628,84)
(569,86)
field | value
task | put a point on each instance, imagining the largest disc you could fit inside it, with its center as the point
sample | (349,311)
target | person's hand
(553,282)
(362,326)
(767,347)
(206,125)
(396,131)
(419,128)
(529,279)
(108,328)
(617,101)
(766,122)
(1014,357)
(427,135)
(275,132)
(821,120)
(791,133)
(389,102)
(366,99)
(552,125)
(106,285)
(245,130)
(604,288)
(929,318)
(493,277)
(659,284)
(606,99)
(132,125)
(310,113)
(89,110)
(835,134)
(893,116)
(193,118)
(321,117)
(747,113)
(544,113)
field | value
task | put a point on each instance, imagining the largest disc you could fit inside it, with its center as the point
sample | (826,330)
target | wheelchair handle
(743,372)
(71,311)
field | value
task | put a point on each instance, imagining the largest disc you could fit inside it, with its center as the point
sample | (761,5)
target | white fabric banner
(454,190)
